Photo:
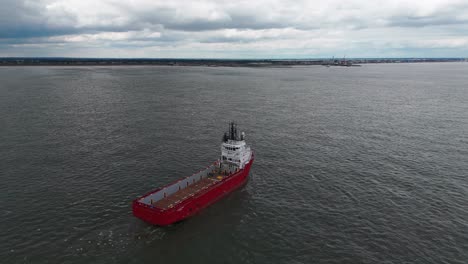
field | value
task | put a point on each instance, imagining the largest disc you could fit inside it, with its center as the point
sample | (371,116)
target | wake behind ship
(187,196)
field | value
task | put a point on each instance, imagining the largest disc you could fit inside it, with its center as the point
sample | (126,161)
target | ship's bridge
(234,150)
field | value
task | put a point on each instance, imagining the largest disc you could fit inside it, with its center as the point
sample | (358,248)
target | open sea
(353,165)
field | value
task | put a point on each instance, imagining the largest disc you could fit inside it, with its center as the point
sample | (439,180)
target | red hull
(192,205)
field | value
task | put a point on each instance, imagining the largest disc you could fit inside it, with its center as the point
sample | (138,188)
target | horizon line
(194,58)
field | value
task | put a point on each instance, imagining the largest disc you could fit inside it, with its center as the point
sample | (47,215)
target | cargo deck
(181,190)
(185,193)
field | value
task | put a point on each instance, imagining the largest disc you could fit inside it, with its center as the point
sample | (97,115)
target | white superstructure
(234,150)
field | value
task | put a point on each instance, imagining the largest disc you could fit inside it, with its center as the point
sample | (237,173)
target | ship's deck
(173,194)
(185,193)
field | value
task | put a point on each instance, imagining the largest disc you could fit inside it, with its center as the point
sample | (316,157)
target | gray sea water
(353,165)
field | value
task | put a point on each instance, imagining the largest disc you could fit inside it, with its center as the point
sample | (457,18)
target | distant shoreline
(212,62)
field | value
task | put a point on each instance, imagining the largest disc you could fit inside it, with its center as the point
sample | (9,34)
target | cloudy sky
(234,29)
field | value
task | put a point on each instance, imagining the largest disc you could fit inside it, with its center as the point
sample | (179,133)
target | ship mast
(232,133)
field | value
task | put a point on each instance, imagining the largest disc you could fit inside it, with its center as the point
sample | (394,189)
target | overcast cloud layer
(233,29)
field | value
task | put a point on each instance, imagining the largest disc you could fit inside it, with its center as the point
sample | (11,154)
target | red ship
(187,196)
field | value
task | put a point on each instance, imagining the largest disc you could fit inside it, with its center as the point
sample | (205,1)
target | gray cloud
(26,19)
(424,21)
